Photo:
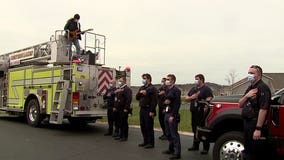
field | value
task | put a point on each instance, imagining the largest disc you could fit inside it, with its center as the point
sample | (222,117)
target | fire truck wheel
(229,146)
(33,113)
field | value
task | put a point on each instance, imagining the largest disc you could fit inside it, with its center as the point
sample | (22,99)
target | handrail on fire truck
(55,51)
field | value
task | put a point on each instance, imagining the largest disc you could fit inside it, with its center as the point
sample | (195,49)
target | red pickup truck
(224,126)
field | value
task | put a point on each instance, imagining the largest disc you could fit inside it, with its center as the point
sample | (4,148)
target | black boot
(195,147)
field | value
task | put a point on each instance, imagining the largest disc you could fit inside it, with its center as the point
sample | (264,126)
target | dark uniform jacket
(150,99)
(73,26)
(161,98)
(110,100)
(203,93)
(174,95)
(261,101)
(123,99)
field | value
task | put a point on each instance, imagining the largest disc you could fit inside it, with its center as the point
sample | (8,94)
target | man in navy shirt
(123,98)
(197,94)
(255,105)
(161,98)
(172,102)
(147,97)
(109,97)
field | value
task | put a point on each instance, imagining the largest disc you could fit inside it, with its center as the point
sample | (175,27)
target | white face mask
(162,83)
(119,83)
(110,85)
(196,81)
(251,78)
(143,81)
(168,83)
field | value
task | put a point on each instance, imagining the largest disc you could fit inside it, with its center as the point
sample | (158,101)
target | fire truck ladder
(62,91)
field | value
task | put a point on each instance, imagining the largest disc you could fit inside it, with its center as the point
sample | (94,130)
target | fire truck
(42,84)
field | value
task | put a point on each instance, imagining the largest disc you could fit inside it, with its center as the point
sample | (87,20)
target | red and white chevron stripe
(105,76)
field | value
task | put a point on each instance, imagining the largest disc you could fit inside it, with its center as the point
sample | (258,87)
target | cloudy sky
(183,37)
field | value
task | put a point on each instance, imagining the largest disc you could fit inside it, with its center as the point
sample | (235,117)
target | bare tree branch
(231,77)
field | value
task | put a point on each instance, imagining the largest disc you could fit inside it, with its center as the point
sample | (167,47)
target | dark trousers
(147,126)
(172,134)
(162,119)
(123,124)
(110,120)
(255,149)
(116,122)
(197,119)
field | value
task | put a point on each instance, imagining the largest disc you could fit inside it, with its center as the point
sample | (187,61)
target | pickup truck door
(276,124)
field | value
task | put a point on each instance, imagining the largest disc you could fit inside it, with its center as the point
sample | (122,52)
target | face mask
(251,78)
(168,83)
(143,81)
(196,81)
(119,83)
(110,85)
(162,83)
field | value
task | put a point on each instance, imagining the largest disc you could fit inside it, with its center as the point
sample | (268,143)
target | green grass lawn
(185,123)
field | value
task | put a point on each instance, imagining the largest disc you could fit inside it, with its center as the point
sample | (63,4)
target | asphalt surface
(66,142)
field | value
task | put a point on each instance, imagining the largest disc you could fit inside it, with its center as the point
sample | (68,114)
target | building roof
(277,79)
(245,80)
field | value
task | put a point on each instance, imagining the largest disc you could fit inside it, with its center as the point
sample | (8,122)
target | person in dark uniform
(172,117)
(109,97)
(195,96)
(255,105)
(73,26)
(161,99)
(147,97)
(123,100)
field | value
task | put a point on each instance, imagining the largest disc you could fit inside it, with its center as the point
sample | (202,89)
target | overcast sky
(183,37)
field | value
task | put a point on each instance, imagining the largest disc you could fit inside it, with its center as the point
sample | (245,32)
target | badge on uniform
(167,109)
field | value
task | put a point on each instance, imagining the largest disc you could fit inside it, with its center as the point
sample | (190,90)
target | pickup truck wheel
(229,146)
(33,115)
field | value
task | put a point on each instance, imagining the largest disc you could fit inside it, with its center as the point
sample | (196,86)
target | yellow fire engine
(41,83)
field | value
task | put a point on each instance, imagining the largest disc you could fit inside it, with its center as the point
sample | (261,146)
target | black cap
(77,16)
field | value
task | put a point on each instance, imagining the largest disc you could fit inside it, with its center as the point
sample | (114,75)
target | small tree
(231,77)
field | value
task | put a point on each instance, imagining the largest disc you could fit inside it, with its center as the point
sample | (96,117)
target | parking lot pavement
(64,142)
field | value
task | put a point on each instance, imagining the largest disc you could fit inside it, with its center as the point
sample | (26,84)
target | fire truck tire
(33,115)
(229,146)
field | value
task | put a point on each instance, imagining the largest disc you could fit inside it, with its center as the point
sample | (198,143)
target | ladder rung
(56,101)
(54,122)
(59,91)
(68,111)
(56,112)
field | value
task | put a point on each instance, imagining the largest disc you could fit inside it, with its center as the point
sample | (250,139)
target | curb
(155,129)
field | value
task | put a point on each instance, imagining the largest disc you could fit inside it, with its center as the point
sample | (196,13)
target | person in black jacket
(255,106)
(123,98)
(172,117)
(197,94)
(109,97)
(147,97)
(73,27)
(161,98)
